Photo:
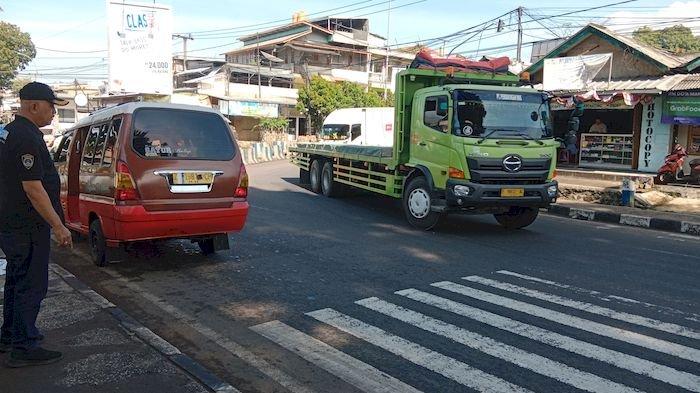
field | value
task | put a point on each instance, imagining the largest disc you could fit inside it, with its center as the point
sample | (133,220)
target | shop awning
(654,85)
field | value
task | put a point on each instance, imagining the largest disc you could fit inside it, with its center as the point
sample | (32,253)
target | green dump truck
(464,142)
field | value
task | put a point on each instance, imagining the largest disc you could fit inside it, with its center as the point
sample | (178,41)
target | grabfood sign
(140,45)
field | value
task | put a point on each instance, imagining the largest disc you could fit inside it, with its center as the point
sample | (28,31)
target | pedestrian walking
(29,210)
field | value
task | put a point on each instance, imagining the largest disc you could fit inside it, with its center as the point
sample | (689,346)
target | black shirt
(24,157)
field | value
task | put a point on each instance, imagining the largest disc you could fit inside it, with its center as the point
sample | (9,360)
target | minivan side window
(435,111)
(62,151)
(89,149)
(100,145)
(112,134)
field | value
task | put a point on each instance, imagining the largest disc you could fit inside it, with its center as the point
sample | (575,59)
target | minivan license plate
(512,192)
(197,178)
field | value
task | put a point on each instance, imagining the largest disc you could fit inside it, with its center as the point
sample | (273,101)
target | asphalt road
(306,300)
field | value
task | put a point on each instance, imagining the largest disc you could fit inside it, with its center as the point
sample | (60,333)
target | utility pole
(185,38)
(520,34)
(257,58)
(386,61)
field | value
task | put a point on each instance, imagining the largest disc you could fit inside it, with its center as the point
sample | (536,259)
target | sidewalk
(651,219)
(104,349)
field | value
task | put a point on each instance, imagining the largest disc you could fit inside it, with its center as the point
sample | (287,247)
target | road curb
(172,353)
(638,221)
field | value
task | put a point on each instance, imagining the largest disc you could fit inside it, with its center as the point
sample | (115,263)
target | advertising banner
(682,107)
(572,73)
(140,42)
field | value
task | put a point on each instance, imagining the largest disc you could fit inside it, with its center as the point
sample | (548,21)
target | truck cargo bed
(370,153)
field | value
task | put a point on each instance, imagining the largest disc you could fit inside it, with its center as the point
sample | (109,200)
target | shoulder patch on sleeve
(28,161)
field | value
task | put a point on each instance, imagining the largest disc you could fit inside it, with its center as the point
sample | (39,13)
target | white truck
(359,126)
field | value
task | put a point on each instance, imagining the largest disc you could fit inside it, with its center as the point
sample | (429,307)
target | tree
(275,124)
(18,83)
(321,97)
(677,39)
(16,51)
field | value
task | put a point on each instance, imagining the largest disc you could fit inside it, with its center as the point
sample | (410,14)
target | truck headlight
(552,191)
(462,191)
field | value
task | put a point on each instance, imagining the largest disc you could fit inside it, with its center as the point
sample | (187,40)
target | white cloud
(681,12)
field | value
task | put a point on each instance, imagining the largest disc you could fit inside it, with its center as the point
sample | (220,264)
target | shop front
(621,131)
(681,111)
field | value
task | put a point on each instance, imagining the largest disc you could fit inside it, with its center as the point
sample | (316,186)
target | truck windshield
(479,114)
(334,132)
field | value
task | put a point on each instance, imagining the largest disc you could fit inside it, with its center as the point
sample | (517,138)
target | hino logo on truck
(512,163)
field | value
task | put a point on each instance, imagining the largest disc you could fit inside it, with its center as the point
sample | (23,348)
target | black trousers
(26,283)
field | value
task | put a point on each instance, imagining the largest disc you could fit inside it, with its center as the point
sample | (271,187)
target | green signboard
(681,108)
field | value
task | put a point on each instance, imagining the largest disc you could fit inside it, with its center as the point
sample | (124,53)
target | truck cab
(479,148)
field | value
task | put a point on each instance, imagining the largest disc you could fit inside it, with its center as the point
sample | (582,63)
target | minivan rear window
(160,133)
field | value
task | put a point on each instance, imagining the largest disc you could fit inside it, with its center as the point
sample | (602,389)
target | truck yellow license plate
(197,178)
(512,192)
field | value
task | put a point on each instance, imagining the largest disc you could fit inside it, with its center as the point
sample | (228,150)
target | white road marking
(618,359)
(677,254)
(233,347)
(441,364)
(603,297)
(533,362)
(353,371)
(588,307)
(641,340)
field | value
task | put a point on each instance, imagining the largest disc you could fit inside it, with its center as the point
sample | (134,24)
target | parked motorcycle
(672,170)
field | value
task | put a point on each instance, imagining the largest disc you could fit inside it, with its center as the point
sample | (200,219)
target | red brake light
(242,189)
(124,187)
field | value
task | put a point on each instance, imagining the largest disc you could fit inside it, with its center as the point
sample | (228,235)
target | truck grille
(491,171)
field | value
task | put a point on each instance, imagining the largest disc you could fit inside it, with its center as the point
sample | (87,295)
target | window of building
(694,140)
(66,115)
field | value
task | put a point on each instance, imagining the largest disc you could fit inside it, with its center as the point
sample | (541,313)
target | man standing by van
(29,209)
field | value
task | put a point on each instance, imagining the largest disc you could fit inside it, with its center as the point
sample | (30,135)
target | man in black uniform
(29,210)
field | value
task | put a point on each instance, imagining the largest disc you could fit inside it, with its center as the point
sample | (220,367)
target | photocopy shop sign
(682,107)
(140,45)
(655,137)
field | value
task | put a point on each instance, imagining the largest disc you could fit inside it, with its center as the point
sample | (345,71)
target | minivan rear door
(182,159)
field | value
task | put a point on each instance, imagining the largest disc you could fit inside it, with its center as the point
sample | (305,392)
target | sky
(71,36)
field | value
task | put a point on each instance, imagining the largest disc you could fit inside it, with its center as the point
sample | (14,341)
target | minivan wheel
(315,176)
(207,246)
(98,244)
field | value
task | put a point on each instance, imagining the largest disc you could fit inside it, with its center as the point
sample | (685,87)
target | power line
(257,25)
(67,51)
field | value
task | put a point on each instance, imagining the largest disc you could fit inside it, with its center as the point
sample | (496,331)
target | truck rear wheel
(517,217)
(304,177)
(417,205)
(315,176)
(329,187)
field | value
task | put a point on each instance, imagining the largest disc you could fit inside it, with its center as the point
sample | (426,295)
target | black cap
(37,91)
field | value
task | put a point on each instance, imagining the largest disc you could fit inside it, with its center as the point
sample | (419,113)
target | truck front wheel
(417,204)
(315,176)
(517,217)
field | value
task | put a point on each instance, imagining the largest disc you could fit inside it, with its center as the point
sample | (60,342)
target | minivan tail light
(242,189)
(124,186)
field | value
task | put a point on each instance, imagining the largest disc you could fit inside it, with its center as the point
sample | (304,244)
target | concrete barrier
(256,152)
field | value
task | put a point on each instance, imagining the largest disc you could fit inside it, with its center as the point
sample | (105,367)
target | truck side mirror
(574,124)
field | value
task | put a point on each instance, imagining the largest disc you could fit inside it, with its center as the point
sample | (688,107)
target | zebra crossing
(651,353)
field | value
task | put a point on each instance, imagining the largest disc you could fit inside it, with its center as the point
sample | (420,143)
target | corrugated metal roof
(263,44)
(641,85)
(691,82)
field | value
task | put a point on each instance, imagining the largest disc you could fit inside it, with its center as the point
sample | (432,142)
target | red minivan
(143,171)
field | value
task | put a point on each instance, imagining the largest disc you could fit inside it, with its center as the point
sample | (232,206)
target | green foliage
(18,83)
(16,51)
(276,124)
(677,39)
(321,97)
